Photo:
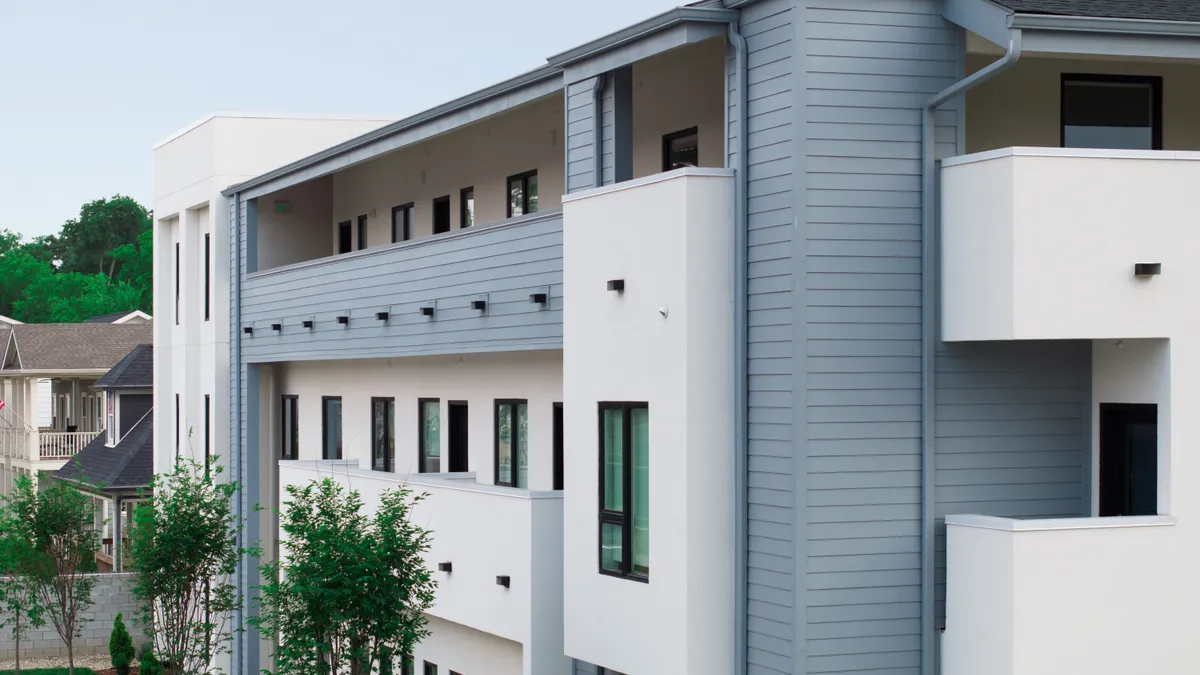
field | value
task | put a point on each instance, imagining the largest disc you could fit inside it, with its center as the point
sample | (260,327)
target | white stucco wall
(671,246)
(453,647)
(300,232)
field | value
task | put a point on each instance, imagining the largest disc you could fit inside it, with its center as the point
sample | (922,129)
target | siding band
(929,337)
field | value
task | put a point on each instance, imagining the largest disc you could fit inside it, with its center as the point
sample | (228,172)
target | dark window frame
(421,434)
(444,203)
(207,432)
(559,430)
(207,276)
(286,453)
(430,668)
(513,403)
(1156,100)
(625,518)
(362,232)
(345,241)
(674,136)
(462,207)
(407,210)
(451,405)
(325,426)
(389,457)
(177,283)
(524,177)
(177,441)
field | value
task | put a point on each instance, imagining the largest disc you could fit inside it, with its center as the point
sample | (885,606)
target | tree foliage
(103,224)
(60,525)
(349,587)
(21,609)
(120,647)
(183,555)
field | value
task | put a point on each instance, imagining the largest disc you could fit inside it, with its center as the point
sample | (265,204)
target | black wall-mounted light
(248,330)
(537,298)
(1147,269)
(427,310)
(617,285)
(480,305)
(307,323)
(382,316)
(445,567)
(277,327)
(502,581)
(344,320)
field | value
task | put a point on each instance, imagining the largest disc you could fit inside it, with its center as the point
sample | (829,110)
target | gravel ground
(95,662)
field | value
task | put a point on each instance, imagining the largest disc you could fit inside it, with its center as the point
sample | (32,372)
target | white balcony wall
(482,155)
(483,531)
(1104,596)
(293,223)
(666,340)
(1040,243)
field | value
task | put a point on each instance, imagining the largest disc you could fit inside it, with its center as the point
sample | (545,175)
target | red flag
(1,405)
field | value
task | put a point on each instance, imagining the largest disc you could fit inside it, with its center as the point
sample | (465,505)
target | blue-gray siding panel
(775,622)
(503,263)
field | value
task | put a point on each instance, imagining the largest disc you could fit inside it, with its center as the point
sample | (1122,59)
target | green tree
(18,271)
(349,587)
(183,555)
(136,262)
(63,538)
(103,224)
(71,297)
(120,647)
(17,596)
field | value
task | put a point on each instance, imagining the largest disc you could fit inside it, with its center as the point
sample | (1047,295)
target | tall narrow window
(522,193)
(289,432)
(331,427)
(458,426)
(383,433)
(176,283)
(176,426)
(558,446)
(512,443)
(429,436)
(406,665)
(207,276)
(344,237)
(1112,111)
(681,149)
(625,490)
(441,215)
(362,232)
(207,431)
(430,668)
(466,207)
(402,222)
(111,419)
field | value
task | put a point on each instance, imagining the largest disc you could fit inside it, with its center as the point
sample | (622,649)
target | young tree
(182,552)
(17,597)
(61,555)
(120,647)
(349,587)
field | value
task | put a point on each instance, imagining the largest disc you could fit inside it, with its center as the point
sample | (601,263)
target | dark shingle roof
(128,465)
(77,346)
(109,318)
(135,371)
(1161,10)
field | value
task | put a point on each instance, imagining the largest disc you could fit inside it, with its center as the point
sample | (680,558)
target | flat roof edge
(639,30)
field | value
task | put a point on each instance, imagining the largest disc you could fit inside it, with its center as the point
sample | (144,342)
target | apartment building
(763,336)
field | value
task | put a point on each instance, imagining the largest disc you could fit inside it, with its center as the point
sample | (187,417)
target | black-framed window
(558,446)
(512,442)
(406,665)
(681,149)
(383,433)
(522,193)
(466,207)
(345,236)
(207,276)
(441,214)
(362,232)
(402,222)
(177,283)
(429,435)
(331,427)
(1122,112)
(177,426)
(625,490)
(430,668)
(207,432)
(289,427)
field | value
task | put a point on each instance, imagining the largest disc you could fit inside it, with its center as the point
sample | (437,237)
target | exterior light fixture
(1147,269)
(503,581)
(617,285)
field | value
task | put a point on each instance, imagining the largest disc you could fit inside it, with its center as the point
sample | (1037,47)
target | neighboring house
(71,357)
(708,365)
(135,316)
(116,466)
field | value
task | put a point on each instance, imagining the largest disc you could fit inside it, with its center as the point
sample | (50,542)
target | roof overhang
(54,372)
(671,29)
(1082,35)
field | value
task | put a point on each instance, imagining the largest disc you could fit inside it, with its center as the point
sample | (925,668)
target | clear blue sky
(88,88)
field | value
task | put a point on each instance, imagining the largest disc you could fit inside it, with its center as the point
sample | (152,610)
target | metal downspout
(598,131)
(239,645)
(740,394)
(929,336)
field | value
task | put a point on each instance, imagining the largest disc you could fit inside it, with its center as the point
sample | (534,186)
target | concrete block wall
(111,594)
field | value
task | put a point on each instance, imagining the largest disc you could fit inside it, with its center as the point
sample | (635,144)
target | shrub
(149,664)
(120,647)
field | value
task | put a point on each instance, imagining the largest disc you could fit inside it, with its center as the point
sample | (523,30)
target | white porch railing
(59,444)
(14,442)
